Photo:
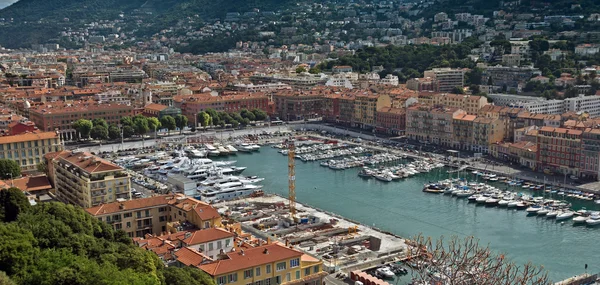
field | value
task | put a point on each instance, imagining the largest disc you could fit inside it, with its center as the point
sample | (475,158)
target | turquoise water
(401,207)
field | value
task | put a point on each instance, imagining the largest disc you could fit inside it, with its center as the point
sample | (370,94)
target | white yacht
(228,191)
(593,220)
(244,147)
(231,149)
(564,215)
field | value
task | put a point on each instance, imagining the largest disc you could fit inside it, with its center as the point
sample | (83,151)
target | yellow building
(365,109)
(270,264)
(83,179)
(486,131)
(28,149)
(156,215)
(468,103)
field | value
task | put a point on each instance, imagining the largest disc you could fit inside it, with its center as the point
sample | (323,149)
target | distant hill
(37,21)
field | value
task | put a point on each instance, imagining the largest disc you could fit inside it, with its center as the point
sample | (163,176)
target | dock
(582,279)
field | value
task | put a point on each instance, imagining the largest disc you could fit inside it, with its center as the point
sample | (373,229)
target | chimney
(266,251)
(241,252)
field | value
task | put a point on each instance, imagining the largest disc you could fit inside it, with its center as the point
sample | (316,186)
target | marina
(402,208)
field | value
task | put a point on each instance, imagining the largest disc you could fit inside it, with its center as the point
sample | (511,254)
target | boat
(491,201)
(433,188)
(564,215)
(463,193)
(543,212)
(385,272)
(383,177)
(580,219)
(512,204)
(244,147)
(365,173)
(482,199)
(593,220)
(533,209)
(552,214)
(231,149)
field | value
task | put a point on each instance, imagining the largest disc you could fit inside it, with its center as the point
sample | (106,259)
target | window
(257,271)
(147,213)
(247,273)
(268,268)
(297,274)
(227,242)
(268,281)
(201,247)
(118,226)
(210,246)
(139,214)
(277,279)
(222,280)
(219,244)
(232,277)
(258,282)
(280,266)
(128,224)
(294,262)
(127,215)
(288,277)
(316,269)
(307,271)
(162,218)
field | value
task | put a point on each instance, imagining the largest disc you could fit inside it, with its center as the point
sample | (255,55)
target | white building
(211,241)
(589,104)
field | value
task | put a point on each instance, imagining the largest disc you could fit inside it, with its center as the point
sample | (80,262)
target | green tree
(17,249)
(140,125)
(84,127)
(314,70)
(5,280)
(127,121)
(42,167)
(9,169)
(128,131)
(259,114)
(237,118)
(300,69)
(458,90)
(154,123)
(216,120)
(247,115)
(99,132)
(181,121)
(12,203)
(100,122)
(204,119)
(168,122)
(114,132)
(186,275)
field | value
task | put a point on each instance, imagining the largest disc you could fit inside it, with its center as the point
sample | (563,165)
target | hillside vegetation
(54,243)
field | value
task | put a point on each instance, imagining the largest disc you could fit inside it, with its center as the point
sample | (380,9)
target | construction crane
(292,178)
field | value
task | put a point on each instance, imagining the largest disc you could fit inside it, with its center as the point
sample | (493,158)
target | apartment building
(391,121)
(60,116)
(268,264)
(468,103)
(486,131)
(422,84)
(559,150)
(83,179)
(28,149)
(590,153)
(447,78)
(431,124)
(366,106)
(298,105)
(509,76)
(157,215)
(193,104)
(462,126)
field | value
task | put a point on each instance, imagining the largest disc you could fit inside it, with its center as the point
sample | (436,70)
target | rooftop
(129,205)
(28,137)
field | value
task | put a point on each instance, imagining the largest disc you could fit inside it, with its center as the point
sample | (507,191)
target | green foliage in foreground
(54,243)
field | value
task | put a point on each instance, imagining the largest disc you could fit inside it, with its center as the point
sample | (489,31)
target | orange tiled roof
(155,107)
(250,258)
(28,137)
(206,235)
(88,162)
(30,183)
(116,207)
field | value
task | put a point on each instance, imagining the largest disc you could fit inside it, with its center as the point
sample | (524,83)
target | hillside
(54,243)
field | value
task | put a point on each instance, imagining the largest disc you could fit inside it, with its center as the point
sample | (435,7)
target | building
(431,124)
(469,103)
(341,69)
(83,179)
(193,104)
(366,106)
(446,78)
(298,105)
(590,153)
(462,126)
(159,111)
(486,131)
(28,149)
(34,185)
(267,264)
(581,103)
(587,49)
(391,121)
(422,84)
(559,150)
(157,215)
(509,76)
(60,116)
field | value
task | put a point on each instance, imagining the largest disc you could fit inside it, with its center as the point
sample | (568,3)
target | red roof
(206,235)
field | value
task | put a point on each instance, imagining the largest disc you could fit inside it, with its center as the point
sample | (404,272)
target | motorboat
(231,149)
(482,199)
(580,219)
(254,147)
(504,203)
(552,214)
(543,212)
(433,188)
(533,209)
(385,272)
(593,220)
(244,147)
(491,201)
(463,193)
(512,204)
(564,215)
(386,177)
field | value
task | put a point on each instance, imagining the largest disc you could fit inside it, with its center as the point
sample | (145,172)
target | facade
(486,131)
(590,153)
(365,109)
(191,105)
(430,124)
(391,121)
(559,150)
(422,84)
(268,264)
(86,180)
(28,149)
(60,116)
(509,76)
(156,215)
(293,106)
(468,103)
(462,126)
(447,78)
(159,111)
(211,241)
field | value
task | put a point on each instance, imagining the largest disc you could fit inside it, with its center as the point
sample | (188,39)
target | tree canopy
(54,243)
(9,169)
(84,127)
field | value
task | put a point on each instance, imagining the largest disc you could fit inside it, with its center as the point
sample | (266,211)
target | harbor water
(402,208)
